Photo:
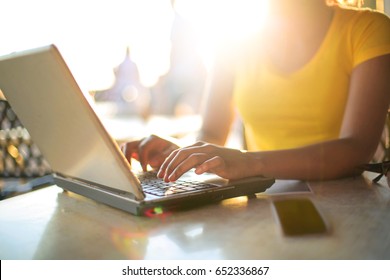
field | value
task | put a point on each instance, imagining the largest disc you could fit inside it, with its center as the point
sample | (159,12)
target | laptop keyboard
(153,185)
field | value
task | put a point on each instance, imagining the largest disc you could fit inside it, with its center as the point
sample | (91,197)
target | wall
(387,7)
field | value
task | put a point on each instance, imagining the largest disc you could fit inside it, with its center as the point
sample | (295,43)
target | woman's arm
(218,109)
(360,133)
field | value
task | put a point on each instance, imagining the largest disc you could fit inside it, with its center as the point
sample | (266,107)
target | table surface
(52,224)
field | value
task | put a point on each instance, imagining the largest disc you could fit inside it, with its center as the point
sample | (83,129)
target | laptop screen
(47,99)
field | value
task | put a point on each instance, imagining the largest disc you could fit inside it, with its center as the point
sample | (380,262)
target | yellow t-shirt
(282,111)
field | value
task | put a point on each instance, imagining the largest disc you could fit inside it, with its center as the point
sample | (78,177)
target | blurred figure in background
(127,93)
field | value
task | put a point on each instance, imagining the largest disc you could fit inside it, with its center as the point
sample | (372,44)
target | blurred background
(144,56)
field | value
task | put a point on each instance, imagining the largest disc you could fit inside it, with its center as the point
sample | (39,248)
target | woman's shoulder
(363,23)
(366,31)
(361,15)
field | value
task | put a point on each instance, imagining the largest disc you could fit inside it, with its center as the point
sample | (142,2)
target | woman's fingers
(171,162)
(225,162)
(130,150)
(151,150)
(157,159)
(175,171)
(145,150)
(215,165)
(182,160)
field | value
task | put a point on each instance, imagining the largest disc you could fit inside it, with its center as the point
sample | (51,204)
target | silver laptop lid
(45,96)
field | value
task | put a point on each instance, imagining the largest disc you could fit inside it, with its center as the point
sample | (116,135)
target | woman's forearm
(327,160)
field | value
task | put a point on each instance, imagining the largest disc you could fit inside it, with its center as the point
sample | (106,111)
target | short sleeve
(370,36)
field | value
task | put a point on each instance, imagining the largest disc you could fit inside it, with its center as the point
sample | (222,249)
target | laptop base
(128,203)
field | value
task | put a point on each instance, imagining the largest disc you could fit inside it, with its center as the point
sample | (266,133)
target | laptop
(84,158)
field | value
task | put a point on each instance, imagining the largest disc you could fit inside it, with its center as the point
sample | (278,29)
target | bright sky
(93,34)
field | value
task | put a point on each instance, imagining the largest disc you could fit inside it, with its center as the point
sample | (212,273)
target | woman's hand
(225,162)
(151,150)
